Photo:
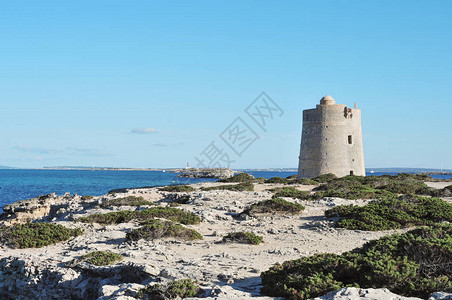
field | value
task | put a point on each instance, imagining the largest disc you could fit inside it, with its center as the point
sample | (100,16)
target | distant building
(331,141)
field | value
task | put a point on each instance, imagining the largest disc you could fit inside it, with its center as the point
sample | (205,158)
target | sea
(21,184)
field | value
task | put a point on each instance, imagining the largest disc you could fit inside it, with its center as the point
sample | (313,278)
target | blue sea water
(20,184)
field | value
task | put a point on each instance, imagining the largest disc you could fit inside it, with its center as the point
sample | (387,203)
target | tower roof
(327,100)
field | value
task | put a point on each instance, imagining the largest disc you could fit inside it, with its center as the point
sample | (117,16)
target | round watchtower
(331,141)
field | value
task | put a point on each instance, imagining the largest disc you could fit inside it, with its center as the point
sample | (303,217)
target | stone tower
(331,141)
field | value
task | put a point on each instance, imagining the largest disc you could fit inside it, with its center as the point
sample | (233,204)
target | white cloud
(65,151)
(37,150)
(144,130)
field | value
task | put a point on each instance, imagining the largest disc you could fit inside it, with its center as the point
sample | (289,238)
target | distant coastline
(432,171)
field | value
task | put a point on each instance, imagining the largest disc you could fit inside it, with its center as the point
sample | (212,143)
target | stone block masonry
(331,141)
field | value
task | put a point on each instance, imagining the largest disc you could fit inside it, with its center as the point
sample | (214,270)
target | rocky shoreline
(224,270)
(220,173)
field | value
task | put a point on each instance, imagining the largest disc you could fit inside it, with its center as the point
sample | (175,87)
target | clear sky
(153,84)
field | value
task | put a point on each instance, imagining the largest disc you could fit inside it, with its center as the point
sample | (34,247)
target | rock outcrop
(220,173)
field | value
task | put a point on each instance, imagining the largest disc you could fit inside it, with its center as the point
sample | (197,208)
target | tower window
(351,172)
(349,139)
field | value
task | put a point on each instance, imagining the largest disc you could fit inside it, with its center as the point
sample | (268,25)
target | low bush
(276,180)
(36,235)
(305,181)
(87,197)
(169,213)
(243,238)
(445,192)
(177,289)
(325,178)
(155,229)
(415,263)
(294,176)
(399,184)
(241,177)
(240,187)
(352,193)
(275,205)
(178,198)
(101,258)
(291,192)
(126,201)
(392,213)
(260,179)
(177,188)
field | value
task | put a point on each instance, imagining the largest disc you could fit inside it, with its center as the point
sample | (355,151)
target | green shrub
(101,258)
(305,181)
(155,229)
(243,238)
(87,197)
(400,184)
(294,176)
(445,192)
(182,288)
(276,180)
(177,188)
(260,179)
(324,178)
(392,213)
(169,213)
(126,201)
(241,177)
(36,235)
(240,187)
(292,193)
(415,263)
(179,199)
(352,193)
(275,205)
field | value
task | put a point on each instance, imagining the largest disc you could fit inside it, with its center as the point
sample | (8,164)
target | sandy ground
(438,185)
(229,270)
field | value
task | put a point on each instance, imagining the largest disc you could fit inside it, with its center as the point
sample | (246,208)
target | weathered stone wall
(331,141)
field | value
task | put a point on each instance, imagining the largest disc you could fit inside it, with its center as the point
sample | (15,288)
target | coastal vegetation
(358,187)
(178,199)
(170,213)
(241,177)
(304,181)
(289,192)
(176,289)
(87,197)
(36,235)
(325,178)
(101,258)
(177,188)
(445,192)
(399,184)
(155,229)
(240,187)
(126,201)
(415,263)
(276,180)
(243,238)
(274,205)
(392,213)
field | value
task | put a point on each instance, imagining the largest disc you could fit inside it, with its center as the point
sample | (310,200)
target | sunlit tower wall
(331,141)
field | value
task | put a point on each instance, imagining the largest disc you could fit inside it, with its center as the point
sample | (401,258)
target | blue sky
(147,84)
